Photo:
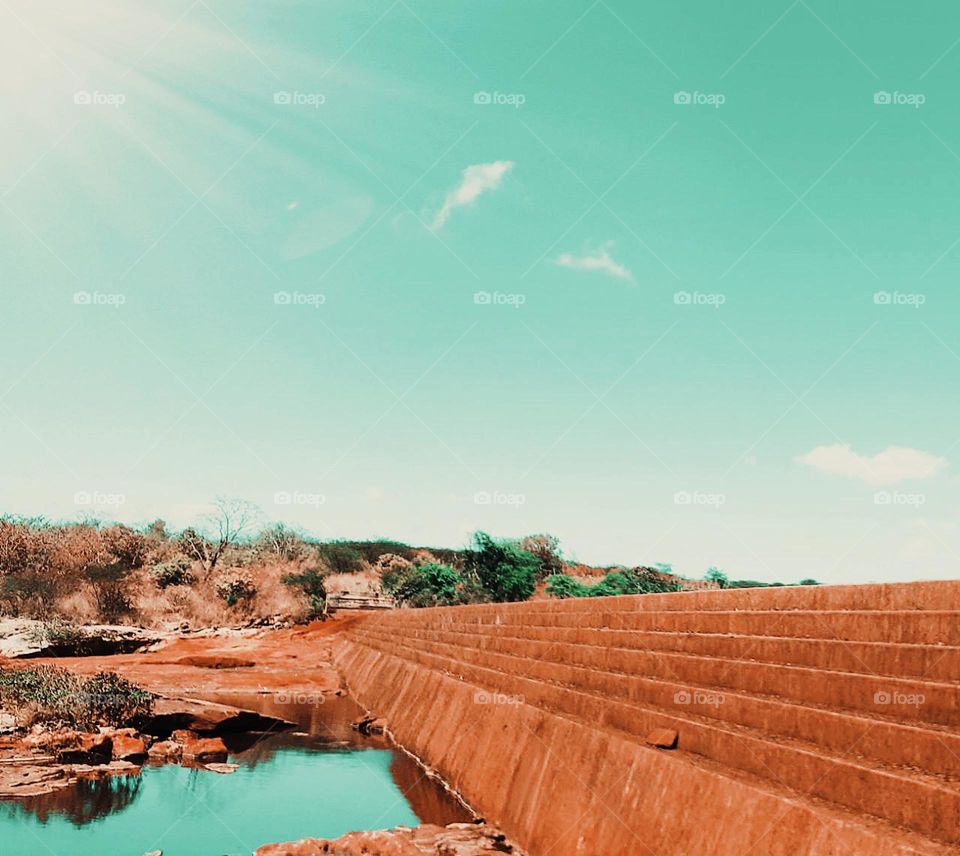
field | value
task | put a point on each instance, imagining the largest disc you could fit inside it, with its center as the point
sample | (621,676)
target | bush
(371,551)
(61,634)
(624,581)
(176,572)
(432,584)
(56,695)
(311,585)
(109,584)
(547,550)
(562,586)
(505,571)
(341,557)
(234,588)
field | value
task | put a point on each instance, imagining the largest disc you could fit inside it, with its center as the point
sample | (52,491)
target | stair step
(921,802)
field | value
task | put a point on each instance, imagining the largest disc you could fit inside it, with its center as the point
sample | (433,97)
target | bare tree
(231,519)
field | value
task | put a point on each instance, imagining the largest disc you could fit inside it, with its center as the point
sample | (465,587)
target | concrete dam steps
(855,741)
(921,803)
(914,627)
(840,690)
(874,735)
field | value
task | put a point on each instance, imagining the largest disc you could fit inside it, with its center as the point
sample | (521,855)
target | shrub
(341,557)
(311,585)
(57,695)
(281,542)
(547,550)
(176,572)
(110,590)
(623,581)
(505,571)
(234,588)
(371,551)
(562,586)
(431,584)
(58,633)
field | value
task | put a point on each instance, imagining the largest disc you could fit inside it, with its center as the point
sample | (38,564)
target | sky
(673,282)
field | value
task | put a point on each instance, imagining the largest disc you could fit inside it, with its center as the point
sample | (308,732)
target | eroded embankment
(810,720)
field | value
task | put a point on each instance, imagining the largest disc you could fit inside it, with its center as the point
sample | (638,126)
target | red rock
(663,738)
(205,749)
(165,751)
(87,749)
(127,748)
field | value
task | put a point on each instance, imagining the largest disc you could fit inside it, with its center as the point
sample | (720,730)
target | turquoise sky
(675,282)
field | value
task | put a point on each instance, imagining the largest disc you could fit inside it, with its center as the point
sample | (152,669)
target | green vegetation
(340,557)
(617,582)
(504,570)
(310,584)
(431,584)
(176,572)
(51,694)
(235,588)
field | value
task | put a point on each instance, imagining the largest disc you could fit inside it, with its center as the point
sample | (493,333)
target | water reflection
(84,802)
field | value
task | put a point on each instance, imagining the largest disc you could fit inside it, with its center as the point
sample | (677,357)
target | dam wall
(808,719)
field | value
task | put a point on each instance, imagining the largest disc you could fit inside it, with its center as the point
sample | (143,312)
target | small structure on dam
(809,720)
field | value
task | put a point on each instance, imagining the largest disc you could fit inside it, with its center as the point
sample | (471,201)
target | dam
(788,720)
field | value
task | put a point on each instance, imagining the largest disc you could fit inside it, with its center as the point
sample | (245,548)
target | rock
(205,750)
(216,661)
(222,768)
(370,725)
(457,839)
(84,749)
(8,723)
(26,638)
(165,751)
(663,738)
(173,714)
(128,748)
(154,853)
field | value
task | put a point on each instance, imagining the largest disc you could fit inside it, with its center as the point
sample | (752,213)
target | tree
(505,571)
(715,575)
(230,520)
(547,549)
(808,582)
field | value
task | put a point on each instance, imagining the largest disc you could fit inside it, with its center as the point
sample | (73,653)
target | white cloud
(894,464)
(599,260)
(477,179)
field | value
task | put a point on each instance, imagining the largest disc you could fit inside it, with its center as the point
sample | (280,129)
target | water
(320,783)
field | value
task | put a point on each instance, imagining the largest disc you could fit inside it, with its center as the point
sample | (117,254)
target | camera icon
(482,298)
(682,497)
(82,298)
(282,298)
(482,97)
(884,497)
(282,97)
(882,98)
(82,497)
(682,97)
(481,697)
(881,698)
(82,97)
(682,697)
(282,497)
(682,298)
(883,298)
(482,498)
